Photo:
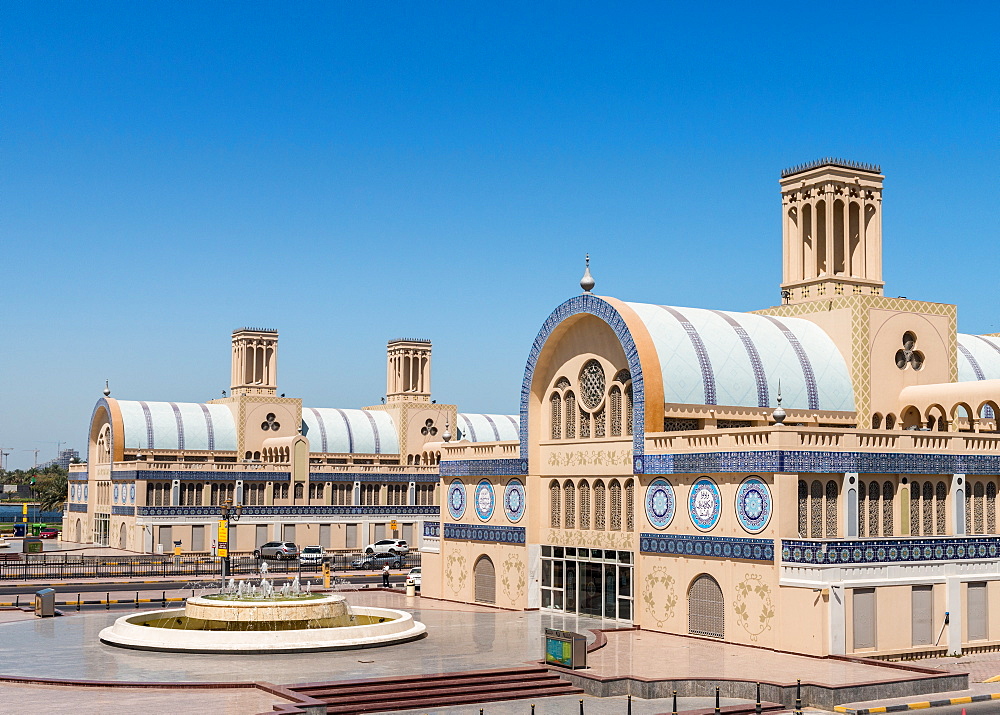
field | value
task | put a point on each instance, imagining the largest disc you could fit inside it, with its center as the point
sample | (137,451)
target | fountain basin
(257,627)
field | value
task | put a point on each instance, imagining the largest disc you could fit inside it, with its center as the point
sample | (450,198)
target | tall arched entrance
(706,609)
(485,580)
(122,537)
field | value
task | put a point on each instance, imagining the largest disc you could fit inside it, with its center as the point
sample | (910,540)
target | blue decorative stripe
(491,534)
(78,476)
(707,547)
(707,376)
(816,462)
(322,428)
(123,510)
(763,396)
(469,428)
(992,345)
(209,426)
(483,467)
(512,420)
(180,424)
(302,510)
(876,551)
(149,425)
(77,507)
(382,478)
(432,528)
(591,305)
(378,446)
(152,475)
(812,391)
(496,432)
(350,434)
(976,367)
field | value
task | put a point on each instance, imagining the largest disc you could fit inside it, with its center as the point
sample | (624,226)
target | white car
(312,556)
(393,546)
(413,578)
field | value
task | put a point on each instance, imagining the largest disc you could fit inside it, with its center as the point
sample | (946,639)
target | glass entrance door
(590,582)
(590,590)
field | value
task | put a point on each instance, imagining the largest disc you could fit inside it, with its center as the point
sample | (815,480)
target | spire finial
(446,436)
(779,412)
(587,282)
(107,389)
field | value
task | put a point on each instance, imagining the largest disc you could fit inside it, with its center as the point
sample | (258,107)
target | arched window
(816,510)
(555,404)
(584,424)
(890,421)
(914,509)
(298,490)
(706,609)
(570,413)
(862,509)
(832,497)
(803,509)
(569,502)
(584,505)
(615,398)
(600,506)
(629,505)
(969,527)
(876,421)
(600,423)
(888,496)
(486,580)
(555,518)
(874,515)
(991,507)
(616,505)
(628,408)
(928,509)
(977,525)
(940,508)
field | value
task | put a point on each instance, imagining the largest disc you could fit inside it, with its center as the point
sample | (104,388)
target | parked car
(312,556)
(413,578)
(396,546)
(378,560)
(48,533)
(279,550)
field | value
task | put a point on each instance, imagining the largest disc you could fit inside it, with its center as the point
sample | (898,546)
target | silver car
(279,550)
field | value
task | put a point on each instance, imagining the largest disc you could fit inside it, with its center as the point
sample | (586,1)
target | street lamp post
(229,513)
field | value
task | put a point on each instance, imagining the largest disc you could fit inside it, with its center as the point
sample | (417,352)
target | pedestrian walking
(385,576)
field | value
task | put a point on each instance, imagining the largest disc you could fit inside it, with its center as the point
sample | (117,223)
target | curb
(922,705)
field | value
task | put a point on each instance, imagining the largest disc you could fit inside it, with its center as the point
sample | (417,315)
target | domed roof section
(715,357)
(337,431)
(487,428)
(177,425)
(978,357)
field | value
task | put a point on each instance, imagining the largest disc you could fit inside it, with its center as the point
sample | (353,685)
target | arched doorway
(706,609)
(122,537)
(486,580)
(79,531)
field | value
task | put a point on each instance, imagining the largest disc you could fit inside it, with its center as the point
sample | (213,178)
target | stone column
(851,505)
(957,490)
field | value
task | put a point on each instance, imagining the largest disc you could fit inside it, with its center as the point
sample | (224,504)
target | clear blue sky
(349,173)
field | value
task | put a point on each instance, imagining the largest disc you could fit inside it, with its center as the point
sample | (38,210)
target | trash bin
(32,546)
(411,589)
(36,529)
(45,602)
(20,530)
(177,547)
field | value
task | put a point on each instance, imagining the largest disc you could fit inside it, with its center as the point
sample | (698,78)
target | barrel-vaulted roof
(717,357)
(333,430)
(978,357)
(487,428)
(177,425)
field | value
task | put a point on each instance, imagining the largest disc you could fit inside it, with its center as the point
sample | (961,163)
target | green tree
(51,488)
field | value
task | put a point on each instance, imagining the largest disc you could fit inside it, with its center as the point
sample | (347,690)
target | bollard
(107,600)
(756,708)
(532,709)
(718,710)
(581,706)
(136,599)
(17,601)
(798,697)
(674,709)
(78,601)
(629,704)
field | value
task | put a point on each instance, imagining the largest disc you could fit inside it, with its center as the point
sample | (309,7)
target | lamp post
(229,513)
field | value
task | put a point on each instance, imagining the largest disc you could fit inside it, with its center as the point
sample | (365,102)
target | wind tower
(832,230)
(408,370)
(255,362)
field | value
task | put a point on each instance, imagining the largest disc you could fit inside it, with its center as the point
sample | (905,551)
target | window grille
(584,505)
(592,384)
(803,509)
(555,518)
(876,421)
(862,509)
(733,424)
(831,508)
(628,408)
(679,424)
(629,505)
(890,421)
(562,383)
(570,413)
(555,403)
(970,528)
(600,521)
(706,609)
(914,509)
(873,509)
(928,509)
(616,411)
(991,508)
(485,580)
(623,376)
(616,505)
(599,423)
(978,496)
(888,495)
(584,424)
(940,497)
(816,510)
(569,501)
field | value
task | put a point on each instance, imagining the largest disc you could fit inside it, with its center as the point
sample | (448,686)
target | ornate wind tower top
(832,230)
(255,362)
(587,282)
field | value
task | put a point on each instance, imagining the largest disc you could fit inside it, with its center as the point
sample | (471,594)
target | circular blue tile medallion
(513,500)
(753,505)
(456,499)
(705,504)
(485,500)
(660,503)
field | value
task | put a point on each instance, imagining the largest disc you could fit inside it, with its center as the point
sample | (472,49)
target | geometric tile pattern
(592,305)
(432,528)
(369,477)
(78,476)
(877,551)
(200,475)
(301,510)
(123,510)
(77,507)
(712,547)
(816,462)
(483,467)
(491,534)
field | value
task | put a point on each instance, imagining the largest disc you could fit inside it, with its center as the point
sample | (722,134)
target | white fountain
(248,617)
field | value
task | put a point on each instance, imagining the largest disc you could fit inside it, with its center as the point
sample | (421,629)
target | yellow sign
(223,548)
(24,510)
(393,525)
(326,575)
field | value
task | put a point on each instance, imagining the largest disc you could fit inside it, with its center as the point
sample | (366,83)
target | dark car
(48,534)
(279,550)
(378,560)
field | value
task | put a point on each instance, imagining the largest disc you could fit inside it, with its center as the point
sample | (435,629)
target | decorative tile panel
(301,510)
(200,475)
(78,476)
(432,529)
(877,551)
(491,534)
(484,467)
(369,477)
(123,510)
(797,462)
(514,500)
(707,547)
(77,507)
